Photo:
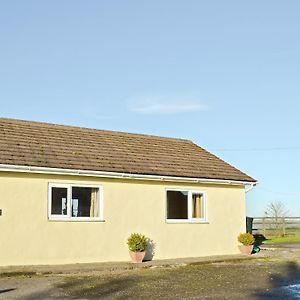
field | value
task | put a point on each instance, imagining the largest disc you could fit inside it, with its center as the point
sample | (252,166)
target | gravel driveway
(273,275)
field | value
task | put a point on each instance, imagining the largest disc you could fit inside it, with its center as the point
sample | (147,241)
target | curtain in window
(94,210)
(197,199)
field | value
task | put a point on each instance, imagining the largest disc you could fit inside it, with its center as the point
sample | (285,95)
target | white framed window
(186,206)
(75,202)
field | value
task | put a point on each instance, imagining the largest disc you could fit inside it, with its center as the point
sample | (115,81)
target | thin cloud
(161,105)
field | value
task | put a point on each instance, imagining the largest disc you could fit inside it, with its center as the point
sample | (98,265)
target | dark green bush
(246,239)
(137,242)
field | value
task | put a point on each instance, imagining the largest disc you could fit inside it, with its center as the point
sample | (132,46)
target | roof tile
(59,146)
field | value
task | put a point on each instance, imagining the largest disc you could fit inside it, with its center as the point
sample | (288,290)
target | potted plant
(247,239)
(137,244)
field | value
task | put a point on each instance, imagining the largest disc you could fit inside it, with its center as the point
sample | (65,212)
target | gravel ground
(275,274)
(31,287)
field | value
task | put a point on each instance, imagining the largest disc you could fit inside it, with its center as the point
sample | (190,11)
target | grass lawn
(280,240)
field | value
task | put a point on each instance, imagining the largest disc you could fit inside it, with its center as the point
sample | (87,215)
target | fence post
(283,226)
(264,227)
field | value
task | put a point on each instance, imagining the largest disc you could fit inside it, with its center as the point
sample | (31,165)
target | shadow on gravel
(6,290)
(95,288)
(283,286)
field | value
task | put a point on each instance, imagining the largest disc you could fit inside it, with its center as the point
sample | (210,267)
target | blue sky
(223,73)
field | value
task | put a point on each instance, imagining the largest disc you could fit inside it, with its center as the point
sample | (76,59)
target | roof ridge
(39,123)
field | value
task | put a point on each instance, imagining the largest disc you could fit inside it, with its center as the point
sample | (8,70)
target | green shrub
(137,242)
(246,239)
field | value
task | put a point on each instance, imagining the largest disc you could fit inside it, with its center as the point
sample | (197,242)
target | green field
(284,239)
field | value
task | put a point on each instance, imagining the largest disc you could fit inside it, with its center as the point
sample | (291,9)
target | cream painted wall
(28,237)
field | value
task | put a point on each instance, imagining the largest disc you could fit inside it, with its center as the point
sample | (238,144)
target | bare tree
(277,211)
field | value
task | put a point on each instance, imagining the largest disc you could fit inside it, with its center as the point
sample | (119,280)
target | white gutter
(59,171)
(252,185)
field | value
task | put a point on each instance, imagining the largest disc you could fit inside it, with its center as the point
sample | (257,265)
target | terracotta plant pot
(246,249)
(137,257)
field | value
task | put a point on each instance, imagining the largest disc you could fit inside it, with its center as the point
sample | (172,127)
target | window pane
(177,204)
(197,202)
(85,202)
(59,201)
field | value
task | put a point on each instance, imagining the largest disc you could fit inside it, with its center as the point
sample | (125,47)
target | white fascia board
(59,171)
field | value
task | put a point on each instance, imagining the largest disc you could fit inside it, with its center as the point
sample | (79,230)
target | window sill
(76,220)
(187,222)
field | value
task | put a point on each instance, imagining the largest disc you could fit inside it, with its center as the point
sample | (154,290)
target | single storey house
(74,195)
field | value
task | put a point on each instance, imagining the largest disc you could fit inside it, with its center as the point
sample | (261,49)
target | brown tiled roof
(29,143)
